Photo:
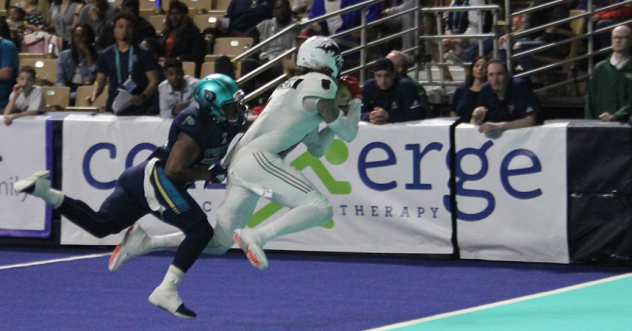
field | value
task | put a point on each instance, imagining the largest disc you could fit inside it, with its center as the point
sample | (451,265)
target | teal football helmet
(215,92)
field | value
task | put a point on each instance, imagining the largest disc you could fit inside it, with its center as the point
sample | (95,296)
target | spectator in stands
(609,94)
(403,22)
(77,66)
(153,46)
(402,62)
(343,22)
(462,23)
(243,15)
(181,38)
(177,91)
(263,31)
(307,33)
(388,98)
(504,103)
(63,14)
(26,99)
(466,96)
(17,24)
(142,29)
(9,63)
(605,19)
(97,14)
(302,6)
(129,67)
(33,17)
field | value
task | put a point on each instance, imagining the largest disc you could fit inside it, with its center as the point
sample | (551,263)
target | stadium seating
(85,91)
(46,69)
(57,97)
(231,46)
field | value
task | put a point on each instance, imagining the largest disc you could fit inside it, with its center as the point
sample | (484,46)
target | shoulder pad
(318,85)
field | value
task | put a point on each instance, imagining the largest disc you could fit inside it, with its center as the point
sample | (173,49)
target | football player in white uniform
(256,166)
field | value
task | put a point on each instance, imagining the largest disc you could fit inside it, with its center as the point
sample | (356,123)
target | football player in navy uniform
(198,138)
(292,115)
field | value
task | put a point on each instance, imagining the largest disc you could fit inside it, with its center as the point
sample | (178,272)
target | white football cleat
(170,301)
(37,184)
(254,252)
(136,242)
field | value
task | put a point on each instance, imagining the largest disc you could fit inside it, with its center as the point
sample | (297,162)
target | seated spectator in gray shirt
(176,93)
(26,98)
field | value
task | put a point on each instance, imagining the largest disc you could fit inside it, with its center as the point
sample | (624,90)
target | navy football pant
(127,204)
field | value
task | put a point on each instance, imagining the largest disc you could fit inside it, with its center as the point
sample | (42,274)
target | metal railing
(588,55)
(420,14)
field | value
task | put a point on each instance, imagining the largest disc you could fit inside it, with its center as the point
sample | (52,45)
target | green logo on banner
(337,155)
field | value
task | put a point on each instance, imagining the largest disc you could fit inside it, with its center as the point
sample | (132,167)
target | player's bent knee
(318,200)
(221,242)
(201,228)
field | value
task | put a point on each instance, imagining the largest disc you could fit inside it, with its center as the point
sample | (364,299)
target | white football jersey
(284,122)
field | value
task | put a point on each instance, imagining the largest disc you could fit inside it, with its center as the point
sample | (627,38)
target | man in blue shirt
(9,64)
(130,67)
(504,103)
(198,138)
(389,98)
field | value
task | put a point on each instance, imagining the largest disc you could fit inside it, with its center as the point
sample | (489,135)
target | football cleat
(171,302)
(37,184)
(254,252)
(136,242)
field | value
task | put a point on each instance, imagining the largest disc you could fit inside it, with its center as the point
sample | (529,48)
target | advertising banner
(26,148)
(511,194)
(381,199)
(388,188)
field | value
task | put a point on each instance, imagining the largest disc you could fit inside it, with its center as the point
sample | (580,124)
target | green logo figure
(337,155)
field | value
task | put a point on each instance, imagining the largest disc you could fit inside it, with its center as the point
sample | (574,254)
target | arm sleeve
(61,79)
(374,12)
(37,101)
(318,142)
(318,9)
(346,126)
(10,56)
(528,101)
(410,105)
(102,65)
(455,101)
(588,110)
(189,127)
(367,105)
(165,109)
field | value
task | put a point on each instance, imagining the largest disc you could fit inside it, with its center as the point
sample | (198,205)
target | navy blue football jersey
(213,138)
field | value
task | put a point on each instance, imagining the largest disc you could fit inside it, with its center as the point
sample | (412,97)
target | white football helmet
(320,52)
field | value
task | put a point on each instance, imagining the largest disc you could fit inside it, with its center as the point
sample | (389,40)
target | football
(343,96)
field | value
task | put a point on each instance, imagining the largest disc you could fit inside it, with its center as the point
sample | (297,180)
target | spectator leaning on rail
(401,62)
(609,95)
(504,103)
(26,98)
(388,98)
(177,91)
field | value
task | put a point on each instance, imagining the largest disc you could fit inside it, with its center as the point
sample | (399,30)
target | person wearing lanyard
(128,67)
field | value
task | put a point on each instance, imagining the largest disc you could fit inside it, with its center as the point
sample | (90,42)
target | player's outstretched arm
(178,168)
